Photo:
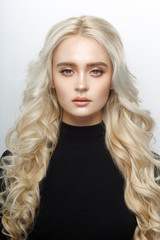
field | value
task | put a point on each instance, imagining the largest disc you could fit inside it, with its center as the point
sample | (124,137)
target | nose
(81,84)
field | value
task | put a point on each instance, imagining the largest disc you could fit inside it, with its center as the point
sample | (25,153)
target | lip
(81,101)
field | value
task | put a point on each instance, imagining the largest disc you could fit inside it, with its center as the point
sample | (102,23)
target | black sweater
(82,195)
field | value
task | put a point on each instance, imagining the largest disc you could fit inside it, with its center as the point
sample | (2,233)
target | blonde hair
(128,127)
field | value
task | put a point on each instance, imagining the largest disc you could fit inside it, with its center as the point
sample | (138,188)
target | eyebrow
(88,64)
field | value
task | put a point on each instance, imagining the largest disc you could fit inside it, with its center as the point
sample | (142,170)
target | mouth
(81,101)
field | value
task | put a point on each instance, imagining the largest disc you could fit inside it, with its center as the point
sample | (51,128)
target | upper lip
(81,99)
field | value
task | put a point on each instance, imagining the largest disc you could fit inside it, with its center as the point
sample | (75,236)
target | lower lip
(81,103)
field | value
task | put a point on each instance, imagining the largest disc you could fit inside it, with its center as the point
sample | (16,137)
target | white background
(25,23)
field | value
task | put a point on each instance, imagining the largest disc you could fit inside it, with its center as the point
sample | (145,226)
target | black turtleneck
(82,195)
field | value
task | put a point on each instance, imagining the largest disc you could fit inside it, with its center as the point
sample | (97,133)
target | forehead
(80,47)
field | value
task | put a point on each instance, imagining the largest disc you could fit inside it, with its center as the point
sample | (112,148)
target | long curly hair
(34,137)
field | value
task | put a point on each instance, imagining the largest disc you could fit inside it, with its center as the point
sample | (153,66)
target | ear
(111,88)
(53,85)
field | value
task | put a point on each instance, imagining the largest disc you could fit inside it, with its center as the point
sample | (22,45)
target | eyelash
(97,70)
(65,70)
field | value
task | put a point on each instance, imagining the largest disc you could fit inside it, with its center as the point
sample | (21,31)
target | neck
(84,121)
(82,135)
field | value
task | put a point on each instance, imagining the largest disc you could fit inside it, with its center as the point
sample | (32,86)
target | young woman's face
(82,73)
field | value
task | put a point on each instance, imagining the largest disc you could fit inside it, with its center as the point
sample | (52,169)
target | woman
(79,165)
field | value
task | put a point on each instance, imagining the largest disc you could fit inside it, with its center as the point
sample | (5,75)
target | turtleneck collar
(82,135)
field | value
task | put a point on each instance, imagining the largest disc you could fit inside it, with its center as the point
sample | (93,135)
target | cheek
(103,93)
(61,90)
(62,94)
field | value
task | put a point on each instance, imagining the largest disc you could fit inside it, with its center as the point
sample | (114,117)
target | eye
(66,72)
(96,72)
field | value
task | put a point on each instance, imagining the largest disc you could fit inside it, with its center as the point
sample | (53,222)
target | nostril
(81,89)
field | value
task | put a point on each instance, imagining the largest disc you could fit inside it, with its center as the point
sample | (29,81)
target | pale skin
(81,68)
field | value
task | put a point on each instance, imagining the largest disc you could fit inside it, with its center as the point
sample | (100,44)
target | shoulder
(6,153)
(156,156)
(156,168)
